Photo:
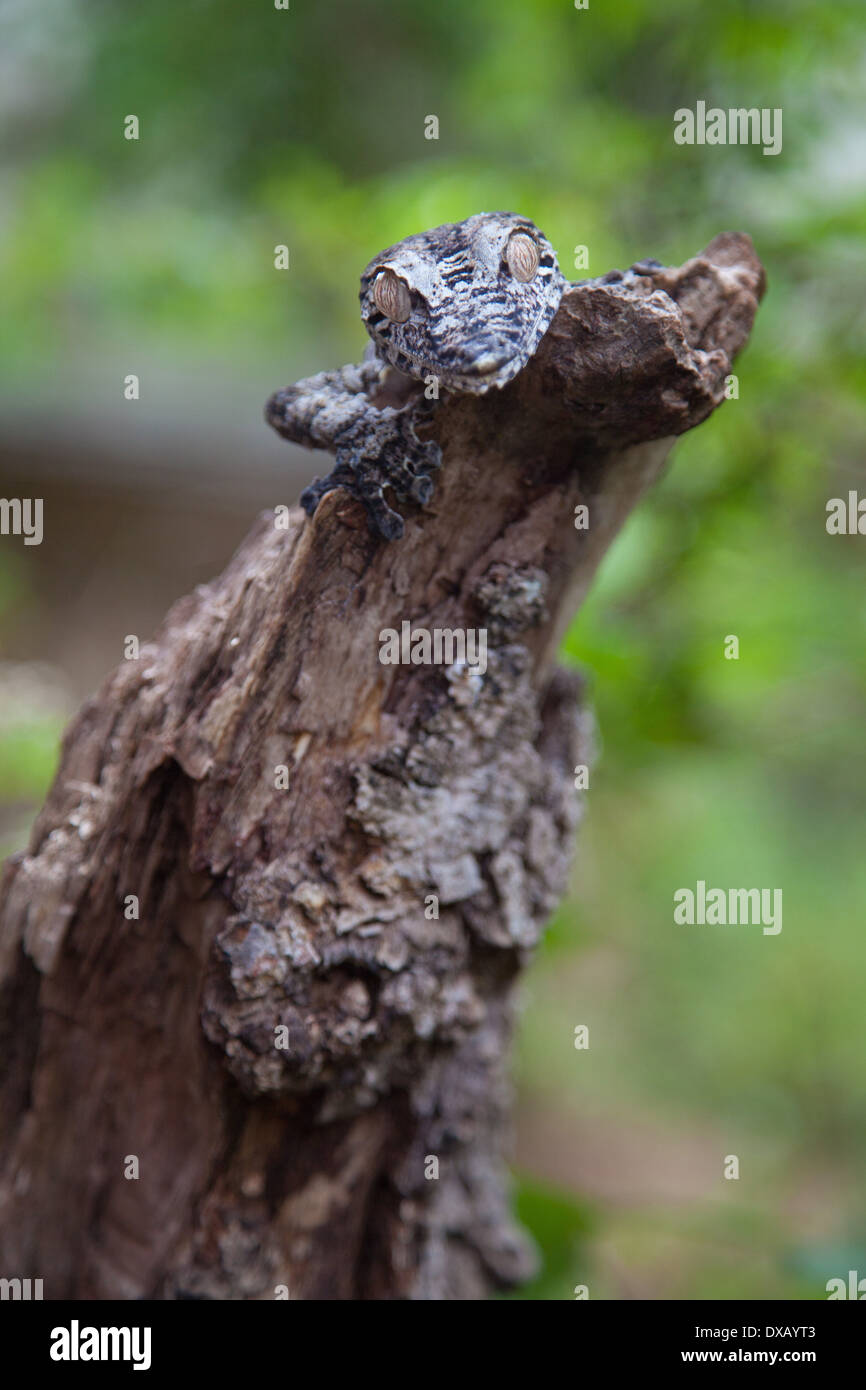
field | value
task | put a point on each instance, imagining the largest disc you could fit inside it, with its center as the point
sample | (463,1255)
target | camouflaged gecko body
(465,305)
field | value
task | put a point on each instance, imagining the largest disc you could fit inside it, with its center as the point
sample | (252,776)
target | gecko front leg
(374,448)
(465,305)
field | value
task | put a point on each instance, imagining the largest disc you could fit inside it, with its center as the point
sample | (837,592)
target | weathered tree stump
(306,915)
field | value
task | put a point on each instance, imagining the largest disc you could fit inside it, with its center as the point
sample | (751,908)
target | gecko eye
(391,296)
(521,254)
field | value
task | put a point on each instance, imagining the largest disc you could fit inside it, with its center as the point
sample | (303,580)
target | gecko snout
(484,356)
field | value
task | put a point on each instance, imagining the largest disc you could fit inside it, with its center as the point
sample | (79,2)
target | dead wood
(309,908)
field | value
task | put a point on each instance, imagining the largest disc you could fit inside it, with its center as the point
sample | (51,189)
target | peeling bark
(304,908)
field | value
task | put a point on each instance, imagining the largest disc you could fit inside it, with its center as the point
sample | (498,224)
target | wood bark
(309,908)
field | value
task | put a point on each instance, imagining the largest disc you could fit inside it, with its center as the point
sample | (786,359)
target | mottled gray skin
(471,326)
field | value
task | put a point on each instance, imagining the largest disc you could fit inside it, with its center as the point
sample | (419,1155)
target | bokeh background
(306,127)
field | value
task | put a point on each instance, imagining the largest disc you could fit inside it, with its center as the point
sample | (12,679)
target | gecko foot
(372,456)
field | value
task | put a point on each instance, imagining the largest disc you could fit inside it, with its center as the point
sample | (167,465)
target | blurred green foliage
(306,127)
(559,1225)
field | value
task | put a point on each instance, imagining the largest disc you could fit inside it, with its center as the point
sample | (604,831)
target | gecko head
(467,303)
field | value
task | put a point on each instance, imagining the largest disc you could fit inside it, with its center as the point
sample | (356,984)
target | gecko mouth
(475,371)
(476,383)
(486,364)
(483,357)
